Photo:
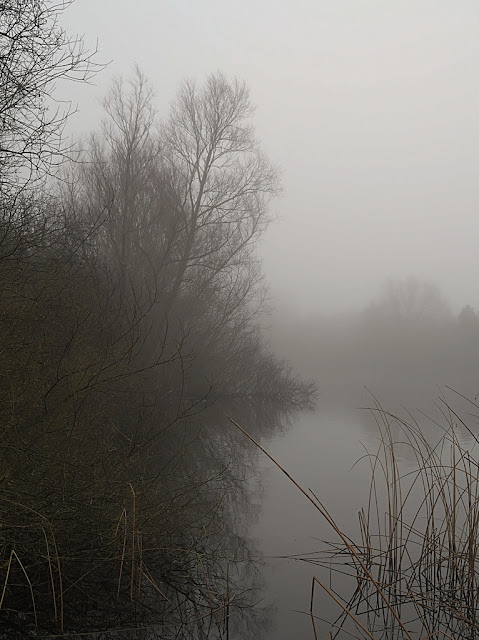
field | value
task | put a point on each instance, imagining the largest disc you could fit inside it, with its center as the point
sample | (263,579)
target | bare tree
(122,178)
(177,210)
(185,203)
(35,52)
(225,182)
(411,299)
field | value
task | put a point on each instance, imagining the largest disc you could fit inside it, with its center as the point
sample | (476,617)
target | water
(321,451)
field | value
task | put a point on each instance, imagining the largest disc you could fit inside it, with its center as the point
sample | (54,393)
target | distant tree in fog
(410,299)
(467,317)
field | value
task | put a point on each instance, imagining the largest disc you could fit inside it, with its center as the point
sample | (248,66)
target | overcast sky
(370,108)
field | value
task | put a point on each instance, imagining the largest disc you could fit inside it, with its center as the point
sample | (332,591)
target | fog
(402,355)
(260,220)
(369,109)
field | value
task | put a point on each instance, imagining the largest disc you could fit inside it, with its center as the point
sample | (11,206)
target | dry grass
(414,569)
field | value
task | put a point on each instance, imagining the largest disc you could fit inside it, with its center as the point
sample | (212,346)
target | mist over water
(406,358)
(256,211)
(406,344)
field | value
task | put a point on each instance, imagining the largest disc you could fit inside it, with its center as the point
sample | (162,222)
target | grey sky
(370,108)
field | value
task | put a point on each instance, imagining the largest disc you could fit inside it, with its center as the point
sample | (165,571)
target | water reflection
(229,582)
(320,452)
(222,463)
(152,543)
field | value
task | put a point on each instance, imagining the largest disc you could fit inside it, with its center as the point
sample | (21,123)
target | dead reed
(414,569)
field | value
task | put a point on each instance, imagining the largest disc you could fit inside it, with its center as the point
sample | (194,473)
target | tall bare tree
(187,201)
(122,178)
(225,182)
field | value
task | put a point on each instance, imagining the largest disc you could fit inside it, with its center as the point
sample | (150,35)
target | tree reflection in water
(165,555)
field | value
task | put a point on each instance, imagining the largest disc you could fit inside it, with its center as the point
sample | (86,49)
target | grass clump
(413,569)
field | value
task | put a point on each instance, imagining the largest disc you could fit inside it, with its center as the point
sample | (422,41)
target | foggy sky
(370,108)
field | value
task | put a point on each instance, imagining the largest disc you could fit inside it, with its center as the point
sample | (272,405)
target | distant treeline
(406,344)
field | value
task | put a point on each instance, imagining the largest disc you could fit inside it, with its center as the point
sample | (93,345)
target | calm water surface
(321,451)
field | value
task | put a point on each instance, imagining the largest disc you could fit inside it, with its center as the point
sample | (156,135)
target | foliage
(128,304)
(109,518)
